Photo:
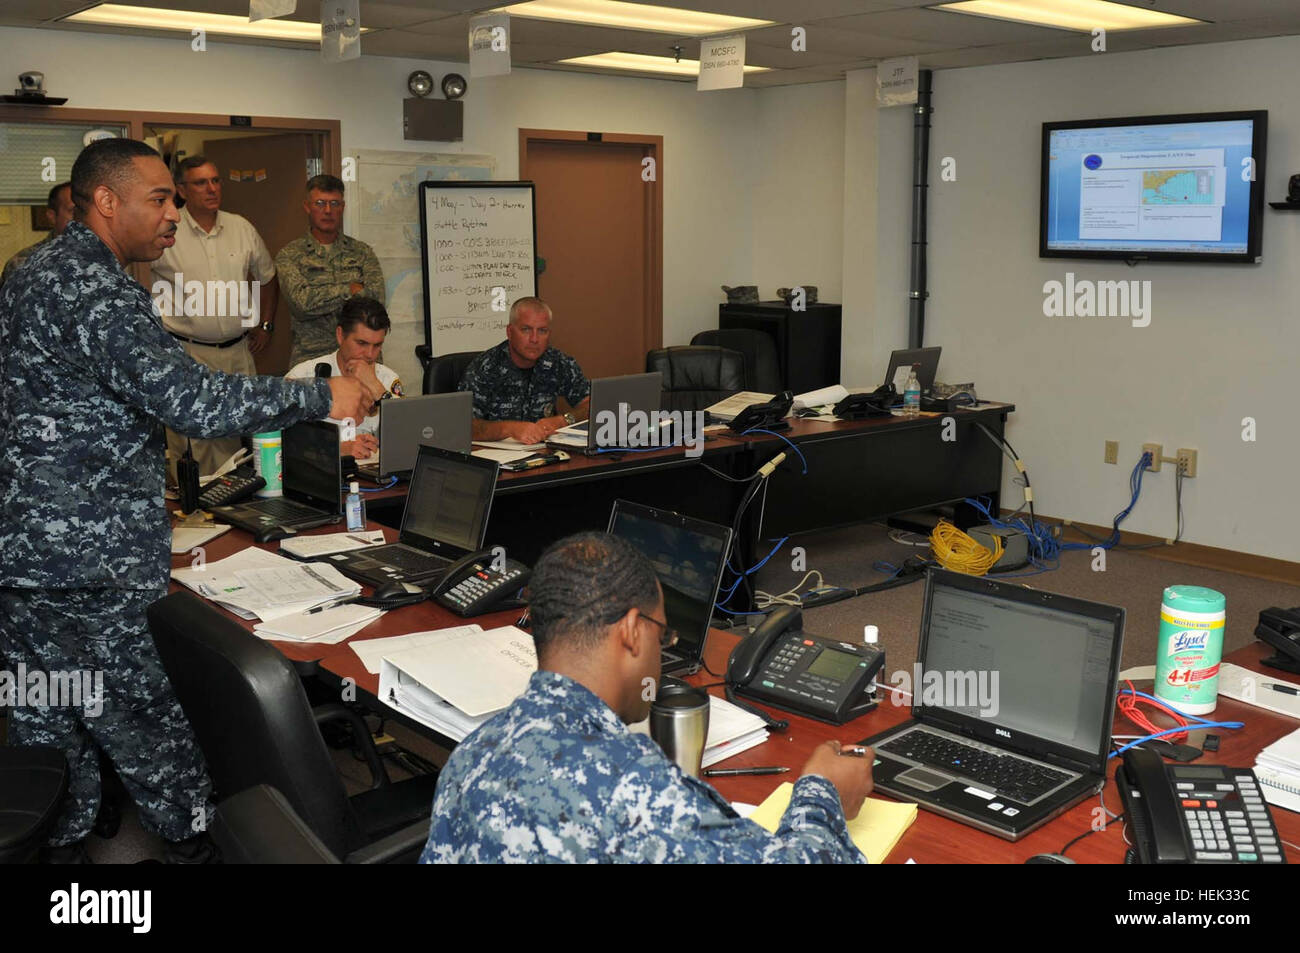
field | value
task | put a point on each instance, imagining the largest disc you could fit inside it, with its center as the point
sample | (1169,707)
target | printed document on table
(728,408)
(372,651)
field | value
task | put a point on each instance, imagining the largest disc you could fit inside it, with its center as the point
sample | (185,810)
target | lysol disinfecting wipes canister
(1189,648)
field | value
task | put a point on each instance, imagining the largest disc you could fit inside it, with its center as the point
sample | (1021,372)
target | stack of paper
(731,731)
(727,409)
(312,547)
(255,584)
(1278,769)
(458,679)
(324,626)
(875,830)
(505,451)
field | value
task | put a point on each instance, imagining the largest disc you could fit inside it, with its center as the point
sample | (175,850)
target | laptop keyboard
(285,509)
(1006,774)
(411,560)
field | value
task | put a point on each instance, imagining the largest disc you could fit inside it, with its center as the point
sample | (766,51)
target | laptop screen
(312,469)
(1055,664)
(449,502)
(688,556)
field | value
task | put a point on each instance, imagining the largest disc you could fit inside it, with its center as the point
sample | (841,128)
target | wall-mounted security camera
(31,91)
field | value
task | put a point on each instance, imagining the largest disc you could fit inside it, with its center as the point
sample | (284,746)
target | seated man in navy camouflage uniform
(515,384)
(89,377)
(559,777)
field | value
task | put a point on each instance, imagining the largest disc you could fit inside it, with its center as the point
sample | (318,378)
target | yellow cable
(957,551)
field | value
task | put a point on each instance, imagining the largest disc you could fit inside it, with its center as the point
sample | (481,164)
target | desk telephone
(766,416)
(1197,814)
(819,678)
(472,586)
(230,488)
(878,403)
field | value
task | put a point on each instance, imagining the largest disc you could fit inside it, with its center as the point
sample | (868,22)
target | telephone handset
(1204,813)
(766,416)
(481,582)
(861,406)
(782,666)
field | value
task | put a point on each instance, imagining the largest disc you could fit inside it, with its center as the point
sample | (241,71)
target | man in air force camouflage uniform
(89,379)
(516,383)
(324,268)
(558,777)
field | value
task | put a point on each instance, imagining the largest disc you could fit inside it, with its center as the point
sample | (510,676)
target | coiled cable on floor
(957,551)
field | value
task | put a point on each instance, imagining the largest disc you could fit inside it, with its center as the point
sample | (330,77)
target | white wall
(711,140)
(1223,339)
(798,197)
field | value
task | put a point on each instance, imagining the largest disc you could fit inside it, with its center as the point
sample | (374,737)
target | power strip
(1243,685)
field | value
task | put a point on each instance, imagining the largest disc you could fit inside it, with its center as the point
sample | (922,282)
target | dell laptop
(1013,701)
(446,517)
(621,411)
(440,420)
(924,359)
(689,556)
(312,479)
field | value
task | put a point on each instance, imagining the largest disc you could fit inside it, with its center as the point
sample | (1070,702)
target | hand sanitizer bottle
(355,509)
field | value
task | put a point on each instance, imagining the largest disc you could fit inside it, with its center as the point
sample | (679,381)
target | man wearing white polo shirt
(203,286)
(363,324)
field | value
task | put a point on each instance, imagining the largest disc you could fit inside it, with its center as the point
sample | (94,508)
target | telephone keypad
(1227,821)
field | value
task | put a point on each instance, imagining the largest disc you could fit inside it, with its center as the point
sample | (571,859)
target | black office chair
(442,374)
(259,826)
(255,726)
(762,366)
(695,377)
(33,782)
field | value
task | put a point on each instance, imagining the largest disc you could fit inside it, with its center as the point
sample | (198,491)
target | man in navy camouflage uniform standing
(90,378)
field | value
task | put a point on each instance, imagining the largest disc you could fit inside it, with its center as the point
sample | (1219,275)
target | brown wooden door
(599,227)
(273,204)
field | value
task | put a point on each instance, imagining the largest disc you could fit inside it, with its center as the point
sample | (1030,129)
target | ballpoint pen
(736,772)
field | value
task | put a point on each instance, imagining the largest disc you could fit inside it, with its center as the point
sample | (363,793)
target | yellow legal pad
(875,830)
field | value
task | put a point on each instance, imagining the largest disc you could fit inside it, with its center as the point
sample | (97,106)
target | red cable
(1129,702)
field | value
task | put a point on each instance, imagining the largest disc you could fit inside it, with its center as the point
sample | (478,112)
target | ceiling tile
(822,39)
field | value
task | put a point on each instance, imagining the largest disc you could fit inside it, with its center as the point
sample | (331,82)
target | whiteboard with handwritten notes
(479,244)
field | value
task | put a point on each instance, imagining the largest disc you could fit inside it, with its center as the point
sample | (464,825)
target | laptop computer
(440,420)
(926,361)
(312,480)
(446,517)
(689,556)
(620,397)
(1010,754)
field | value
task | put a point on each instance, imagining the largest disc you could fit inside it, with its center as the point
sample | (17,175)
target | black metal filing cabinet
(807,342)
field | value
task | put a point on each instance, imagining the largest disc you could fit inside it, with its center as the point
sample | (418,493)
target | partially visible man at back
(58,213)
(558,777)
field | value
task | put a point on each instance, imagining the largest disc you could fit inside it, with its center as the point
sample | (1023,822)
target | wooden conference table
(931,839)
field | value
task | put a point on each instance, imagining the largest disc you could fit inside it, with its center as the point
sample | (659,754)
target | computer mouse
(269,534)
(393,590)
(1050,859)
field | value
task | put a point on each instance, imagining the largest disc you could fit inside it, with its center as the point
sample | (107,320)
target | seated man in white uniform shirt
(363,325)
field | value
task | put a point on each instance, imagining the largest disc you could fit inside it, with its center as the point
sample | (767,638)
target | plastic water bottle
(912,396)
(355,509)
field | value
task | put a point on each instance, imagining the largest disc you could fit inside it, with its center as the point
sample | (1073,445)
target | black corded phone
(1280,628)
(1195,814)
(765,416)
(782,666)
(481,582)
(861,406)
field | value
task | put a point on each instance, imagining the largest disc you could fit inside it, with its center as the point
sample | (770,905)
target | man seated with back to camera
(363,324)
(558,776)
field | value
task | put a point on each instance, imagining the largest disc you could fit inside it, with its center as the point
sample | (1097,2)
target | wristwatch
(570,419)
(268,326)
